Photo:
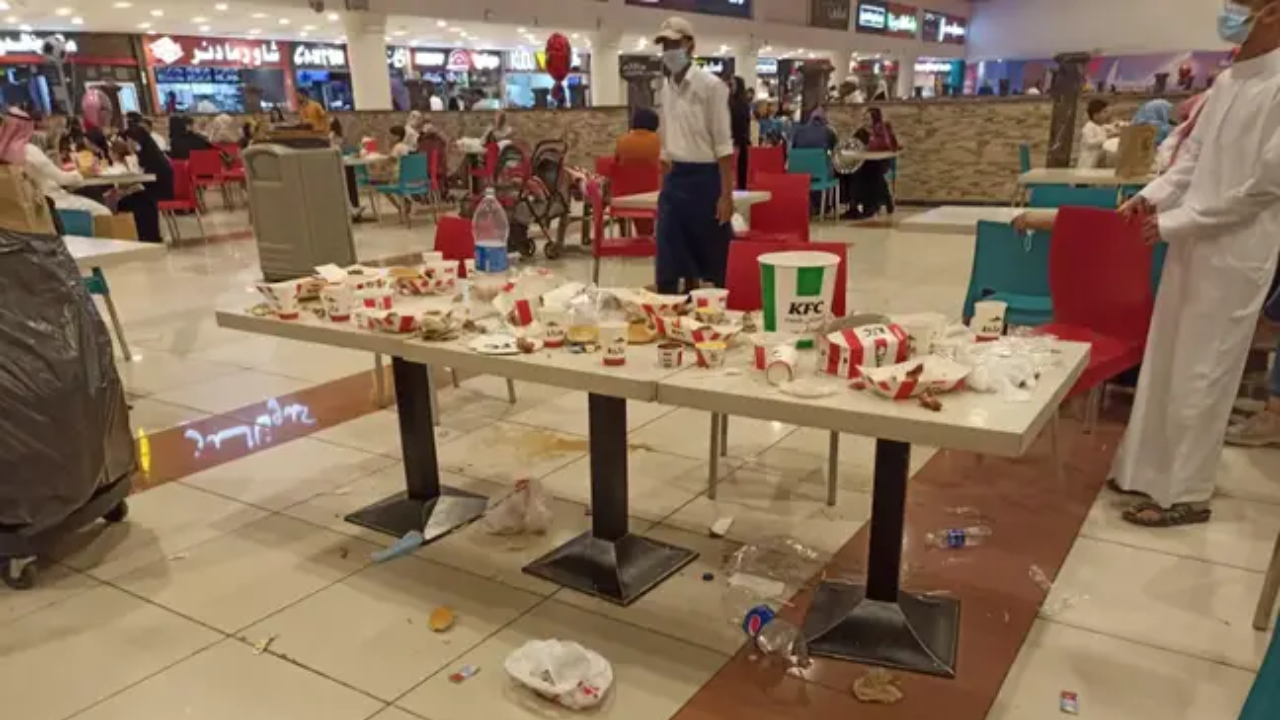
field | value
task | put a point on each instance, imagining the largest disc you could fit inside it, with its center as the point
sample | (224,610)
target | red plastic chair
(642,246)
(634,178)
(604,166)
(184,199)
(455,241)
(207,170)
(770,160)
(785,218)
(742,277)
(1100,282)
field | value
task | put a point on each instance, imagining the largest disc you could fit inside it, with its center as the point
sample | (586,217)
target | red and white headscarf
(15,132)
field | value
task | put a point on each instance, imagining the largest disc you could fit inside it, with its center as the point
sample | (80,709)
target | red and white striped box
(841,353)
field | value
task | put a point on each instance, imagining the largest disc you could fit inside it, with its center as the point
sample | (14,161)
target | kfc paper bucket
(796,288)
(842,353)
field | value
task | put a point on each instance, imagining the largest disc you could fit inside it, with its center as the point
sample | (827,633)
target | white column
(745,58)
(840,60)
(906,76)
(367,57)
(606,80)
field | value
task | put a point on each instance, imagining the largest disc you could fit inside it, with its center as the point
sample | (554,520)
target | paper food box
(841,353)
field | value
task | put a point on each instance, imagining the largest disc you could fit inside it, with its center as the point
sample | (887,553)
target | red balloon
(559,60)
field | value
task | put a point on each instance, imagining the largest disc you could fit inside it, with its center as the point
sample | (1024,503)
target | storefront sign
(320,56)
(732,8)
(892,19)
(942,28)
(28,44)
(225,53)
(933,66)
(719,66)
(429,59)
(833,14)
(632,67)
(767,66)
(528,61)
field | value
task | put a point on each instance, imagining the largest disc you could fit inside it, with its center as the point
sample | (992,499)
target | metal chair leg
(595,272)
(833,469)
(1091,410)
(713,470)
(115,318)
(724,436)
(511,391)
(453,376)
(199,224)
(1270,589)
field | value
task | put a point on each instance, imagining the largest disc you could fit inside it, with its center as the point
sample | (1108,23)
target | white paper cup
(339,301)
(711,354)
(988,319)
(923,329)
(432,257)
(377,298)
(797,288)
(286,307)
(555,325)
(613,342)
(781,365)
(764,343)
(444,274)
(469,265)
(714,299)
(671,355)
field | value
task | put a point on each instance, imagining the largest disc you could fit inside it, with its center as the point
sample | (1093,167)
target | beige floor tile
(688,433)
(766,502)
(242,577)
(856,451)
(568,413)
(1250,474)
(1115,680)
(1242,533)
(505,452)
(376,635)
(684,606)
(229,392)
(394,713)
(654,675)
(156,371)
(286,475)
(151,416)
(68,656)
(304,361)
(230,681)
(57,583)
(1185,606)
(377,433)
(162,522)
(481,400)
(659,483)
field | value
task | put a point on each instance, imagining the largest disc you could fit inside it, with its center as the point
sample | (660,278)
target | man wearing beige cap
(696,205)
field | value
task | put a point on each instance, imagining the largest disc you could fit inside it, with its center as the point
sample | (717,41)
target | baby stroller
(542,198)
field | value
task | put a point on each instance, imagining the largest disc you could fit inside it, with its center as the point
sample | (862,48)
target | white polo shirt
(694,123)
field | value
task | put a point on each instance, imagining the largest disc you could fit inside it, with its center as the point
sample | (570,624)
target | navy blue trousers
(693,247)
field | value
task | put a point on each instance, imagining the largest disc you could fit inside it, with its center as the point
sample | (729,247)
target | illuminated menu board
(732,8)
(942,28)
(892,19)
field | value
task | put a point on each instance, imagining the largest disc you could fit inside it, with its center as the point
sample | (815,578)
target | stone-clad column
(1067,88)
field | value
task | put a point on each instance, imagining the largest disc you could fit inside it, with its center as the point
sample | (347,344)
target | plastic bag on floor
(769,573)
(523,510)
(562,672)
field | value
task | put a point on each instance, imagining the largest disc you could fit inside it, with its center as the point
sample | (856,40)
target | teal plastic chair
(1024,158)
(1055,196)
(76,222)
(817,165)
(413,181)
(1014,268)
(1264,698)
(1157,264)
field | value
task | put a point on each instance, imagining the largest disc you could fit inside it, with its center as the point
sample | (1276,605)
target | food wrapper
(519,301)
(388,321)
(643,303)
(692,332)
(437,326)
(843,352)
(913,378)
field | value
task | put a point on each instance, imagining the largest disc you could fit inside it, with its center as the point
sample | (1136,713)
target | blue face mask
(675,60)
(1234,23)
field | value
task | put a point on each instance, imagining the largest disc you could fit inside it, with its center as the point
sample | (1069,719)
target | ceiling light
(24,27)
(521,30)
(333,17)
(62,12)
(204,28)
(199,19)
(122,5)
(767,48)
(255,31)
(152,32)
(455,29)
(157,13)
(220,7)
(302,34)
(11,19)
(258,16)
(575,36)
(386,38)
(77,21)
(308,28)
(4,5)
(284,21)
(442,23)
(144,26)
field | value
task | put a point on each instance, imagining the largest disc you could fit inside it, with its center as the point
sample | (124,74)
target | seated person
(815,134)
(499,132)
(54,181)
(641,143)
(400,142)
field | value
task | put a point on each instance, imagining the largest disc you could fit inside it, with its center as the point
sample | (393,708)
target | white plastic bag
(523,510)
(561,671)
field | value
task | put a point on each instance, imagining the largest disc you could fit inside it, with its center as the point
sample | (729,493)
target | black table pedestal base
(917,633)
(620,572)
(434,517)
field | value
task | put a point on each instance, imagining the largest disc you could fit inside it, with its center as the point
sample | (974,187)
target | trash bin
(298,198)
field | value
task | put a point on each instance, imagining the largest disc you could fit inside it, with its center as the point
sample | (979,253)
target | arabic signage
(718,66)
(435,59)
(215,53)
(767,66)
(892,19)
(732,8)
(28,44)
(833,14)
(320,56)
(934,66)
(528,61)
(632,67)
(943,28)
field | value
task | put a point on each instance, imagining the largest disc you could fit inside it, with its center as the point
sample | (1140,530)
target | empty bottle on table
(774,637)
(957,538)
(490,227)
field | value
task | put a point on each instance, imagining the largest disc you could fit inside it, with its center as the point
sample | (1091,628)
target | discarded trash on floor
(1039,578)
(411,541)
(708,577)
(1069,703)
(775,637)
(343,553)
(878,686)
(1053,605)
(264,644)
(563,672)
(958,538)
(441,619)
(768,573)
(465,673)
(524,510)
(720,527)
(178,556)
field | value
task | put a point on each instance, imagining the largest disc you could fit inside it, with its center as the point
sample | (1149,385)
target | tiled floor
(159,617)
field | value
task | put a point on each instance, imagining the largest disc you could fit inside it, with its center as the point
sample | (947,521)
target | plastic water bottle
(775,637)
(490,228)
(957,538)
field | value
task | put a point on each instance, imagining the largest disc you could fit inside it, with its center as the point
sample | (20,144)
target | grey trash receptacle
(301,218)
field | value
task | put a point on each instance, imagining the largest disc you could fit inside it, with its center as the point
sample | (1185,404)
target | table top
(855,155)
(1080,176)
(356,161)
(963,219)
(123,179)
(92,252)
(649,200)
(970,421)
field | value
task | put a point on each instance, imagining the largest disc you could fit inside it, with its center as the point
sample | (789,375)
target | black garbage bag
(64,423)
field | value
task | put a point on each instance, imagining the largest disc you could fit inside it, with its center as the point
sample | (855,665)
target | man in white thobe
(1218,208)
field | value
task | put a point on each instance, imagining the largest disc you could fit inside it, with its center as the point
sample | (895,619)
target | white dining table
(1096,177)
(117,180)
(93,254)
(964,219)
(649,201)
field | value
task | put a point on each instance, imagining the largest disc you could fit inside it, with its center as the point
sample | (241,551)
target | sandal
(1114,487)
(1149,514)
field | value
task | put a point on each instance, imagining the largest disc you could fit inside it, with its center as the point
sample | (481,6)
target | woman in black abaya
(145,205)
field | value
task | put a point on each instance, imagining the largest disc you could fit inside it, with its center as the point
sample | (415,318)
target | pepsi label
(756,619)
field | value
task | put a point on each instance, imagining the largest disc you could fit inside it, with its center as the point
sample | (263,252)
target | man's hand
(1151,228)
(1137,206)
(666,166)
(724,209)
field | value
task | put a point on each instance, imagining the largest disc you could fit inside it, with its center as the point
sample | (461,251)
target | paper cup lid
(800,259)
